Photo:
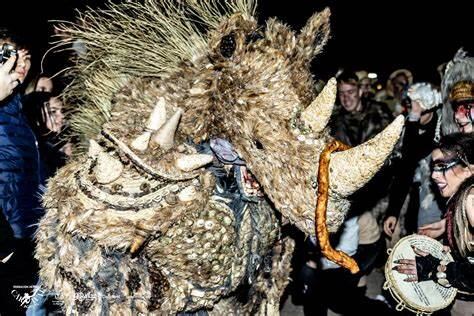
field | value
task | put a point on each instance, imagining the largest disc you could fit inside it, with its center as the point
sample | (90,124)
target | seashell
(187,194)
(107,169)
(171,199)
(227,220)
(197,293)
(145,187)
(197,91)
(200,222)
(209,224)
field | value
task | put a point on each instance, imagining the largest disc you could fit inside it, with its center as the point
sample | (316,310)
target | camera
(6,52)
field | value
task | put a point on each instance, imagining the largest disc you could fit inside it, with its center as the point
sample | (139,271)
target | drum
(422,298)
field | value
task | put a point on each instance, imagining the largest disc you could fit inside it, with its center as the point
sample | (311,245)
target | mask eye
(445,166)
(228,45)
(258,144)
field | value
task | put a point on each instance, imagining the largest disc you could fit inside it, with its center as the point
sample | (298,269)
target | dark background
(379,36)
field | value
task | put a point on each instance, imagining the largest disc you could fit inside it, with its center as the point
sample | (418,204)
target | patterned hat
(462,91)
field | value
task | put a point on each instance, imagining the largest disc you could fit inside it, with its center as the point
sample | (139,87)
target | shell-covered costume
(200,126)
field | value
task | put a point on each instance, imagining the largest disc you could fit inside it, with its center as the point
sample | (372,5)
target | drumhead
(419,297)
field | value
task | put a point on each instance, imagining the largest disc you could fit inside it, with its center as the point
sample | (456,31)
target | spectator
(356,120)
(413,176)
(365,85)
(459,69)
(45,115)
(395,90)
(453,167)
(41,83)
(19,174)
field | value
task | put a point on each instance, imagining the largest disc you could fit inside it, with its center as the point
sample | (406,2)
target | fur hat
(459,70)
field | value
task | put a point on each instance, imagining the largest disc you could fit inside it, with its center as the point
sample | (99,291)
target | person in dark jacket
(355,119)
(19,182)
(44,113)
(413,172)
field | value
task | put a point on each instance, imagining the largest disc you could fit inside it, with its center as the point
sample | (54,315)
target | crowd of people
(426,186)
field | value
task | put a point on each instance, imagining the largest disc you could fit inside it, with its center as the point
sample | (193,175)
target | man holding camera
(19,178)
(8,80)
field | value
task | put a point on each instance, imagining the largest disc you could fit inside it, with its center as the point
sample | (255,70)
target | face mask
(444,166)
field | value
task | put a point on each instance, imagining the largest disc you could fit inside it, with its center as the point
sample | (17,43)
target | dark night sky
(379,36)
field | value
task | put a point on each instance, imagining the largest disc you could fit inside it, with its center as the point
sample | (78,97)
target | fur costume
(460,68)
(201,125)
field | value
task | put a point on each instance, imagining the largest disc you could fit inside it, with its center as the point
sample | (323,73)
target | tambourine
(422,298)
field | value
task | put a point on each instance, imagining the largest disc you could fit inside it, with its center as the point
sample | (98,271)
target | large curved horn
(352,168)
(318,113)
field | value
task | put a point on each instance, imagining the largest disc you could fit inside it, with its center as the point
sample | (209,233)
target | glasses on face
(444,166)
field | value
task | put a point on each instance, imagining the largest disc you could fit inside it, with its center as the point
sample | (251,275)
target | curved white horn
(318,113)
(94,149)
(155,121)
(353,168)
(108,169)
(191,162)
(165,135)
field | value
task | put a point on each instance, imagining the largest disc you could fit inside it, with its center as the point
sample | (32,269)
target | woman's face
(54,116)
(44,84)
(448,173)
(463,114)
(23,64)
